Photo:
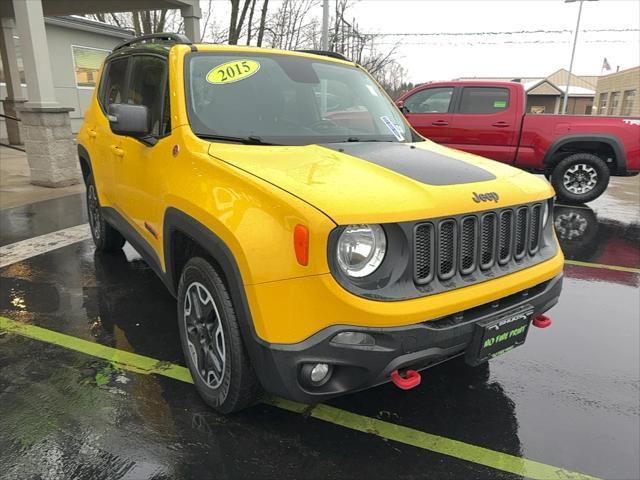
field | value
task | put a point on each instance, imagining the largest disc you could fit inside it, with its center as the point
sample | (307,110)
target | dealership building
(617,93)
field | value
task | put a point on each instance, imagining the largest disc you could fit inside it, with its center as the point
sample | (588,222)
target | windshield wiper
(357,139)
(250,140)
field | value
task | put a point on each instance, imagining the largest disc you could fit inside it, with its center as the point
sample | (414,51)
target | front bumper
(417,346)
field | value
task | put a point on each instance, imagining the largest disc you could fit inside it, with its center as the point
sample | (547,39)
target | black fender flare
(177,221)
(610,140)
(84,158)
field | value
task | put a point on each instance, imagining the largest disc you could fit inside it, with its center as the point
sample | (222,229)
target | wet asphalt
(569,397)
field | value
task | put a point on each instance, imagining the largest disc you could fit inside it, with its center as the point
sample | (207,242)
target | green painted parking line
(618,268)
(353,421)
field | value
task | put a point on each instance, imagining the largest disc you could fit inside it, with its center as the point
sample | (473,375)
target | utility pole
(325,25)
(573,53)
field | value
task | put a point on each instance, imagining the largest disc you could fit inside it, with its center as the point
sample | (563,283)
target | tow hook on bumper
(411,379)
(541,321)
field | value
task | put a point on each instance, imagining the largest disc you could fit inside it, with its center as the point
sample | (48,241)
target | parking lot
(77,404)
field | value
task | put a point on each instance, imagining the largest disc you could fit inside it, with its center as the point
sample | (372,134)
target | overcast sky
(438,57)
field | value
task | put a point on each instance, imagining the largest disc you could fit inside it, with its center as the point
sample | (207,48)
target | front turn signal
(301,244)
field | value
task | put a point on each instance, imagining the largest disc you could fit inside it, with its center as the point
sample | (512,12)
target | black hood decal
(421,165)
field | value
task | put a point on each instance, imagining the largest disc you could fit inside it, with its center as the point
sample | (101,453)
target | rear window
(484,100)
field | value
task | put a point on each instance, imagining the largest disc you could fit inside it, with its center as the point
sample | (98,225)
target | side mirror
(400,105)
(130,120)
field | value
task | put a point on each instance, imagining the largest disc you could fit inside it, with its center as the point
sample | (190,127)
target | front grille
(488,241)
(447,249)
(464,245)
(424,241)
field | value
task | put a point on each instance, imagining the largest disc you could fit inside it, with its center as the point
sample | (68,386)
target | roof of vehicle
(161,43)
(482,83)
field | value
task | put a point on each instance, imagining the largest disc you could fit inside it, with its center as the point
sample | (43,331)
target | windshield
(287,100)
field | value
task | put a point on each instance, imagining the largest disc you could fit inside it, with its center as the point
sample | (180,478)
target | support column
(46,125)
(191,16)
(12,79)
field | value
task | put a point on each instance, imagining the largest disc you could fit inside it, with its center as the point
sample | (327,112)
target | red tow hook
(410,380)
(541,321)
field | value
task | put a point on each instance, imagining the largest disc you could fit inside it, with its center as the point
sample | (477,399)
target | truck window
(484,100)
(147,87)
(114,83)
(430,100)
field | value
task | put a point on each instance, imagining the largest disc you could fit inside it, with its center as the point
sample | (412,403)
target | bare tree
(237,20)
(263,19)
(288,26)
(143,22)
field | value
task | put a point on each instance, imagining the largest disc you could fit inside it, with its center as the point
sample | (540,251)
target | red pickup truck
(577,153)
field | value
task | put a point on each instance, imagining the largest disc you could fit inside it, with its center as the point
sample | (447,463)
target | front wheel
(105,237)
(580,178)
(212,342)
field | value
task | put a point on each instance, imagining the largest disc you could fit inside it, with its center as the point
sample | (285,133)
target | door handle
(440,123)
(500,124)
(117,151)
(93,133)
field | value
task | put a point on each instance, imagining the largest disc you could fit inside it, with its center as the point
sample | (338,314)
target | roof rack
(325,53)
(167,37)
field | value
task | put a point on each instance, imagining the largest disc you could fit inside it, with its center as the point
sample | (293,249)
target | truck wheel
(212,342)
(580,178)
(105,237)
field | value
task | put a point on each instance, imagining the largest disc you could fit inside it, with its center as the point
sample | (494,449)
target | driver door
(142,163)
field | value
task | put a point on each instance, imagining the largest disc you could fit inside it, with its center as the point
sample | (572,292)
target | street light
(573,52)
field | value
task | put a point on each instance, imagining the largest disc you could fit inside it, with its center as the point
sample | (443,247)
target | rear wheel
(105,237)
(580,178)
(212,342)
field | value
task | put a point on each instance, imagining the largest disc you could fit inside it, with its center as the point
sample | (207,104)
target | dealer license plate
(497,336)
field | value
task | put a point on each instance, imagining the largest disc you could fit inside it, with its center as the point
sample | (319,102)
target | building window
(602,108)
(627,102)
(3,78)
(87,62)
(614,101)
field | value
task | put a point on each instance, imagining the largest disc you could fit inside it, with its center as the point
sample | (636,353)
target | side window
(484,100)
(114,83)
(148,86)
(430,100)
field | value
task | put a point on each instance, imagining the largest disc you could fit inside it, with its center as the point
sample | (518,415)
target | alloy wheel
(93,206)
(205,335)
(580,178)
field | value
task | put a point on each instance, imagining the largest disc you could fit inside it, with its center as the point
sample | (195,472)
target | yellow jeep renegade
(315,243)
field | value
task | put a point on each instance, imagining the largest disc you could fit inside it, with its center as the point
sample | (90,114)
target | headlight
(545,213)
(361,249)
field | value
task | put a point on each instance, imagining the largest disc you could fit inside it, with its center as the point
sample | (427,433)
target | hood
(381,182)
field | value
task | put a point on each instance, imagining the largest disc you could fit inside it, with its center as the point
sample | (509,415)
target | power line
(512,32)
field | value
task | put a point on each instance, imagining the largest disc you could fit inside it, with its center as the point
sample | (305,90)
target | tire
(580,178)
(105,237)
(211,339)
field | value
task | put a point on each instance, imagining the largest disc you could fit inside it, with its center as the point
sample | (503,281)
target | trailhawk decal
(233,71)
(421,165)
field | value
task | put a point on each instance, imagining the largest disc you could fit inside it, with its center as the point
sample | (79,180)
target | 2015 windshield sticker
(393,128)
(233,71)
(500,104)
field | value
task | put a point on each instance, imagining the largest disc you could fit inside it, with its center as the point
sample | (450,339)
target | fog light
(316,374)
(319,372)
(354,338)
